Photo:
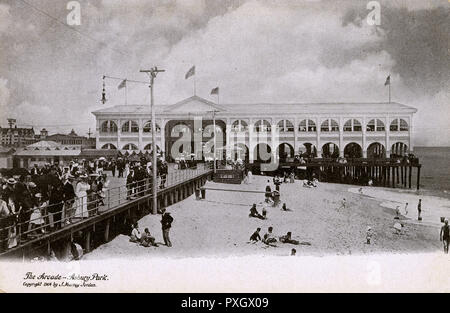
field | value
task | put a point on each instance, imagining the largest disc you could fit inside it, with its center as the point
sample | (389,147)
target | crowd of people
(46,198)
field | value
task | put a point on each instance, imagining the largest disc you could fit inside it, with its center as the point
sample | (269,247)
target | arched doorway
(109,146)
(285,151)
(399,149)
(262,153)
(308,151)
(376,150)
(353,150)
(330,150)
(240,151)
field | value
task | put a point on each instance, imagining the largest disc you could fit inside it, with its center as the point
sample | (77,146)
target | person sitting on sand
(444,236)
(264,213)
(256,236)
(398,228)
(268,238)
(254,212)
(293,252)
(369,235)
(147,239)
(284,208)
(135,234)
(288,239)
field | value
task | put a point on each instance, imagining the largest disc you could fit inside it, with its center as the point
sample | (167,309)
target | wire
(73,29)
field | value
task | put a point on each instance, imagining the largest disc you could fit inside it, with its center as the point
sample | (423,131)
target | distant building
(45,152)
(14,136)
(72,139)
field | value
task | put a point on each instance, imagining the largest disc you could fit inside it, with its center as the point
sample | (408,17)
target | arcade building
(351,130)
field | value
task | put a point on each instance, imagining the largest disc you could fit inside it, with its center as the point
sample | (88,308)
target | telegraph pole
(152,73)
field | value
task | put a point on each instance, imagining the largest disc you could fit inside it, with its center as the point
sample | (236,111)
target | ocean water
(435,171)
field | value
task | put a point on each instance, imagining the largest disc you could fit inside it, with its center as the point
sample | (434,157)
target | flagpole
(126,92)
(389,91)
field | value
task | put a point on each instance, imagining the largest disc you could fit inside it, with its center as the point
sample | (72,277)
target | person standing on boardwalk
(445,235)
(166,223)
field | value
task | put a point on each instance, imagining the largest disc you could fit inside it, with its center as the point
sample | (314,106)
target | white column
(97,135)
(119,133)
(227,138)
(295,135)
(387,134)
(141,126)
(274,140)
(318,146)
(341,137)
(364,148)
(250,140)
(410,133)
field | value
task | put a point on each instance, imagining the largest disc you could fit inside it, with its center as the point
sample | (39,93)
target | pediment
(194,104)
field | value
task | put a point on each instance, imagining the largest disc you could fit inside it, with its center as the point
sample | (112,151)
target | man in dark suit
(69,199)
(166,223)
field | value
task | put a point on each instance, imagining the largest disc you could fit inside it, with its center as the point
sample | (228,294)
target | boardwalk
(119,198)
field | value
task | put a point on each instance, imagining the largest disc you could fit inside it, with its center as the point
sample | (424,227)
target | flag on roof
(215,91)
(123,84)
(190,73)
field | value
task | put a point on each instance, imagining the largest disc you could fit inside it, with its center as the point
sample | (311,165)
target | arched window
(148,127)
(375,125)
(399,124)
(130,127)
(109,146)
(403,125)
(108,127)
(285,126)
(150,147)
(352,125)
(329,125)
(239,126)
(307,126)
(130,146)
(262,126)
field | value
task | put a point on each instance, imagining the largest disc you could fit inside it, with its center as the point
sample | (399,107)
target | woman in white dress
(250,177)
(127,169)
(81,203)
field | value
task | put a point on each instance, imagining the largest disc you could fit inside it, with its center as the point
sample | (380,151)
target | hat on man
(11,181)
(38,195)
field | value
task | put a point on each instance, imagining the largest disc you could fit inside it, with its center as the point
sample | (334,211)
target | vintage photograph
(296,134)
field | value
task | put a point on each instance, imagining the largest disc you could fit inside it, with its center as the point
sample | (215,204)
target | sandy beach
(219,226)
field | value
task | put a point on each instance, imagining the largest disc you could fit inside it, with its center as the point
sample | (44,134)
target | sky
(255,51)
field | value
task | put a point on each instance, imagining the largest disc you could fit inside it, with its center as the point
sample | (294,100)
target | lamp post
(152,73)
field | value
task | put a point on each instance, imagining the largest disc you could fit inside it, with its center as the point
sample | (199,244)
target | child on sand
(397,213)
(369,235)
(343,204)
(255,236)
(269,239)
(406,208)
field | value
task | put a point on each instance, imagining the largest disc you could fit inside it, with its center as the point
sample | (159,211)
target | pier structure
(101,223)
